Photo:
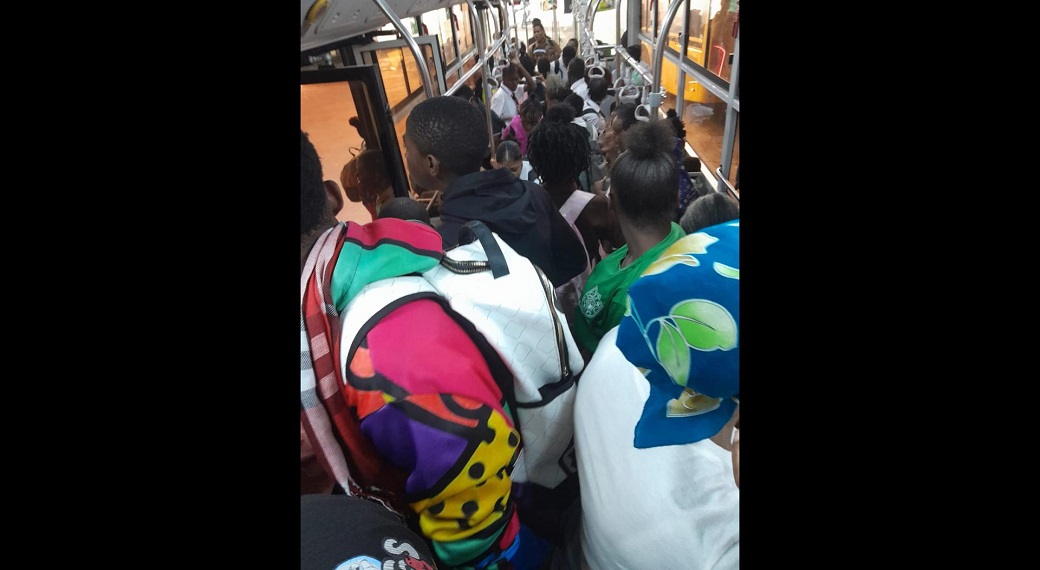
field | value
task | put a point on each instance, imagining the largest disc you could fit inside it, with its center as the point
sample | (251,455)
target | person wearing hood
(445,142)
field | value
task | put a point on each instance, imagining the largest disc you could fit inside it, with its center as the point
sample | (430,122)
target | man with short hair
(445,142)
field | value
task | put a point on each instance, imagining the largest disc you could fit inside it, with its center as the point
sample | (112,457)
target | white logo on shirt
(591,303)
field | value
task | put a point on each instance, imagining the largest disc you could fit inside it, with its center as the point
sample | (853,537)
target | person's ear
(434,165)
(333,196)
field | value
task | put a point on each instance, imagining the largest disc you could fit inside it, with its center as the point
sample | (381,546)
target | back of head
(530,111)
(644,180)
(313,204)
(371,166)
(559,150)
(451,129)
(708,210)
(528,63)
(568,54)
(560,114)
(576,102)
(598,89)
(464,92)
(405,209)
(636,51)
(543,67)
(555,90)
(575,70)
(626,113)
(507,151)
(553,85)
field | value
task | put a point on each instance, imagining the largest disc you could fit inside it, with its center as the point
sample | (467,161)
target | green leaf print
(672,353)
(726,271)
(705,325)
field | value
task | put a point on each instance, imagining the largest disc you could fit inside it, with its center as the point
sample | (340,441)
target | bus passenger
(643,199)
(401,440)
(576,76)
(508,156)
(445,141)
(342,531)
(655,433)
(405,209)
(559,151)
(373,182)
(708,210)
(542,45)
(520,127)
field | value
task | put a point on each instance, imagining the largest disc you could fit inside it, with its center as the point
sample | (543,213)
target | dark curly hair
(557,149)
(451,129)
(312,186)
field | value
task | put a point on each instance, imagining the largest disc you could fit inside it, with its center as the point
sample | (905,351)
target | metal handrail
(656,94)
(725,181)
(412,45)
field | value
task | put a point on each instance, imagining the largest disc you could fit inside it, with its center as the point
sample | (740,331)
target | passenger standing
(508,156)
(643,199)
(655,414)
(523,123)
(576,76)
(385,425)
(373,181)
(592,112)
(542,45)
(445,141)
(559,152)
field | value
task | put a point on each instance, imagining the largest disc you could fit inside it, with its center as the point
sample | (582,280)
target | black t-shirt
(335,529)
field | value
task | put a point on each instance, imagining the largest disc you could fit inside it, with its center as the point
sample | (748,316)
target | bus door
(402,77)
(329,97)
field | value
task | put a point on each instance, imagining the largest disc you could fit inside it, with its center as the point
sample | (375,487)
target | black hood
(496,197)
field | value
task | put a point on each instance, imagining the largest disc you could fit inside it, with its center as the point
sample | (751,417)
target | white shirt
(593,116)
(581,88)
(675,506)
(503,104)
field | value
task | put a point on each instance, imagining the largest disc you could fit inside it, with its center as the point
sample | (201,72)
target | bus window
(722,36)
(463,28)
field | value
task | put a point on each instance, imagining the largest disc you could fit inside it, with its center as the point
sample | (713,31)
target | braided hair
(558,149)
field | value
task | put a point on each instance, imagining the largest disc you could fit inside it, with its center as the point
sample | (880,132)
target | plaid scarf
(343,261)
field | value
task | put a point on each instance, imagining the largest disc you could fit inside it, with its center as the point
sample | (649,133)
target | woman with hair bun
(644,201)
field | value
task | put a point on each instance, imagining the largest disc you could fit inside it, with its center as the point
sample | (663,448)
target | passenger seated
(708,210)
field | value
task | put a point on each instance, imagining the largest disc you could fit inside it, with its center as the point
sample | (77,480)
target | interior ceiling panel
(324,22)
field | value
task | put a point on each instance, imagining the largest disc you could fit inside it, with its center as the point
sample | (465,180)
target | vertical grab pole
(656,96)
(412,45)
(482,49)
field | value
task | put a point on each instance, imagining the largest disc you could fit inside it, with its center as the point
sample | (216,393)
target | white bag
(511,303)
